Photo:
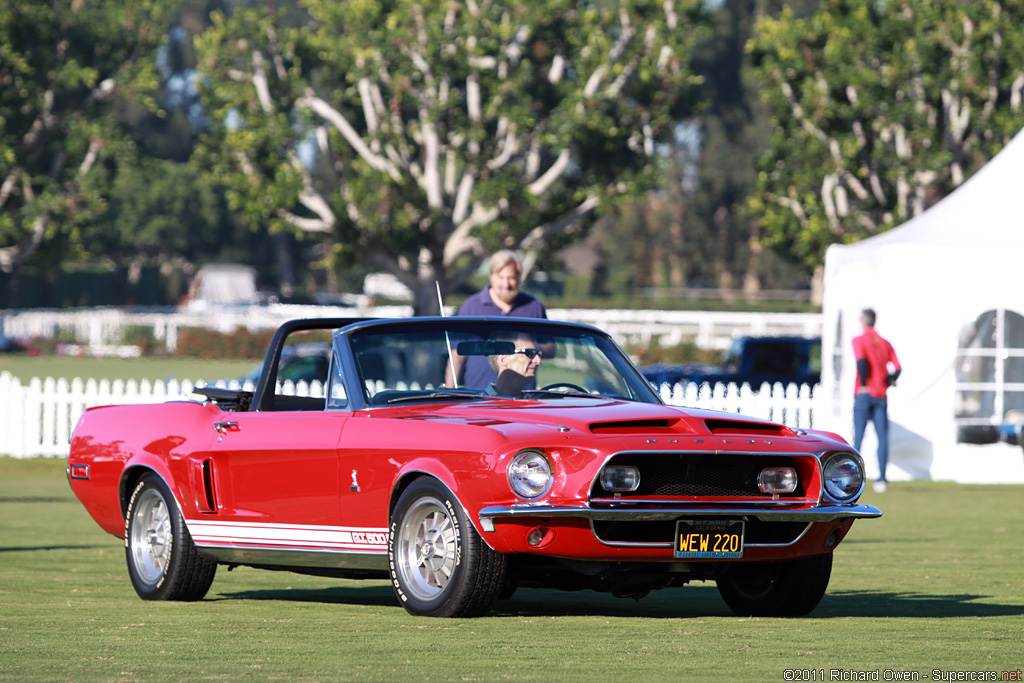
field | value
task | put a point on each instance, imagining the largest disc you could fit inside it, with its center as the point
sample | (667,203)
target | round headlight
(843,477)
(530,474)
(620,478)
(777,480)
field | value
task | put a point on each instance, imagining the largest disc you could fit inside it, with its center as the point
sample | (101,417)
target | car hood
(606,417)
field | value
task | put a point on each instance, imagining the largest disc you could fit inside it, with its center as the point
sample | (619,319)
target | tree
(734,133)
(695,232)
(880,109)
(64,66)
(443,130)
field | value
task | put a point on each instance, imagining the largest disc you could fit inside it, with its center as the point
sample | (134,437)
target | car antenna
(447,339)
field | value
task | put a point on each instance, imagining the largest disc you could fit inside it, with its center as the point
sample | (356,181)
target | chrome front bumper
(820,513)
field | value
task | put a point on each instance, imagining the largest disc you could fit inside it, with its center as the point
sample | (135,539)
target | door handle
(224,427)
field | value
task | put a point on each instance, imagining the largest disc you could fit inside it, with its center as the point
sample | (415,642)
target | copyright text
(816,675)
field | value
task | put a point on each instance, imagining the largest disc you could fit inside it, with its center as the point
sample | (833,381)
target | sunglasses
(529,353)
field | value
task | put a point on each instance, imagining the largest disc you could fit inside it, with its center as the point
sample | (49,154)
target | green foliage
(63,69)
(879,110)
(143,337)
(686,352)
(443,130)
(691,232)
(156,208)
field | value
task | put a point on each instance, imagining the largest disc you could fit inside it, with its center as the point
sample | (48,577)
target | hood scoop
(742,427)
(635,427)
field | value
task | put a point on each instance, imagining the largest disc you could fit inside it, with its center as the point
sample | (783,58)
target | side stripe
(207,533)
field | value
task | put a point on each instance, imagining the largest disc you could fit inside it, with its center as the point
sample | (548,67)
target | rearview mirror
(486,348)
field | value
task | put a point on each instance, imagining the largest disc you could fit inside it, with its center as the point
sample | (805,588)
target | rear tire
(776,589)
(163,562)
(440,567)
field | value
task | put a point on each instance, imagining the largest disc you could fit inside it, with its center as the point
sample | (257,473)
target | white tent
(955,271)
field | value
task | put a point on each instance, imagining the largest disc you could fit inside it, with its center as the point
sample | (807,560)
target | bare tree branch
(312,200)
(90,157)
(13,256)
(462,198)
(335,118)
(305,224)
(8,187)
(462,239)
(542,233)
(259,81)
(792,204)
(369,106)
(540,186)
(508,146)
(282,73)
(431,165)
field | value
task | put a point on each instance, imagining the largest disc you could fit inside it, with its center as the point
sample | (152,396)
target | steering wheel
(565,385)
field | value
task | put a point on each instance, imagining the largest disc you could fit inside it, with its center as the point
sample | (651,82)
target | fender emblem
(355,484)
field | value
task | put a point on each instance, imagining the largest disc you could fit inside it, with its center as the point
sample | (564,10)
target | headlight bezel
(829,473)
(517,474)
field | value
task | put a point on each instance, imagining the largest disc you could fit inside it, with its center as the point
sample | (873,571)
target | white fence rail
(103,328)
(707,329)
(38,418)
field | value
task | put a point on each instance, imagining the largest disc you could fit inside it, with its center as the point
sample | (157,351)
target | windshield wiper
(552,393)
(455,395)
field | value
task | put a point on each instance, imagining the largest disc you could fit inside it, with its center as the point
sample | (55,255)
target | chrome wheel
(439,565)
(163,562)
(151,537)
(427,548)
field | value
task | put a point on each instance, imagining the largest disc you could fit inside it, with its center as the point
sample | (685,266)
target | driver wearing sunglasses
(516,370)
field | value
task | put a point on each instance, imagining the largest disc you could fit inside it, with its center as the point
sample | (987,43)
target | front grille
(699,474)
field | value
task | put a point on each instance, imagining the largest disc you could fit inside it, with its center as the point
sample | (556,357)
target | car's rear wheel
(440,567)
(163,562)
(776,589)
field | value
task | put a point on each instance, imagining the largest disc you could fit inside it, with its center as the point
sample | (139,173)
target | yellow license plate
(709,538)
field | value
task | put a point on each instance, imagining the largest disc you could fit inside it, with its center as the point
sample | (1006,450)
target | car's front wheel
(776,589)
(163,562)
(440,567)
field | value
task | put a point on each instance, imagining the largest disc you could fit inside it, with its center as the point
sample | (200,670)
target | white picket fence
(793,405)
(101,330)
(38,418)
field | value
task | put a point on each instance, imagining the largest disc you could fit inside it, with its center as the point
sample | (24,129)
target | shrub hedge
(198,342)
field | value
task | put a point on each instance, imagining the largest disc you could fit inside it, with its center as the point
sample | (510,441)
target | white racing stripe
(207,533)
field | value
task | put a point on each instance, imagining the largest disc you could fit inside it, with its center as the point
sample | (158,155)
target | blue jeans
(868,408)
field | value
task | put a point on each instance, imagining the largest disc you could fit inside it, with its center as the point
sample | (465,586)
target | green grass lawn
(935,584)
(26,367)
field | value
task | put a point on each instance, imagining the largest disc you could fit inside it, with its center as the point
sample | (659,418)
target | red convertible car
(461,458)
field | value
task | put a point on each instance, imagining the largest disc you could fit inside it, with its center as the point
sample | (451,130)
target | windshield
(466,359)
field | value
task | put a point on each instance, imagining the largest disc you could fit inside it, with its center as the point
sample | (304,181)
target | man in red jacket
(877,370)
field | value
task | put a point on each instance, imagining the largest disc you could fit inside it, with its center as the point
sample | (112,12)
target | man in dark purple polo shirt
(501,298)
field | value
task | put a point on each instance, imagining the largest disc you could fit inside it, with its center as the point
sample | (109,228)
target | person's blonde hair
(502,258)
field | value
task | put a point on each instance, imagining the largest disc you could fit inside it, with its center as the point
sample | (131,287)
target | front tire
(776,589)
(440,567)
(163,562)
